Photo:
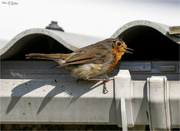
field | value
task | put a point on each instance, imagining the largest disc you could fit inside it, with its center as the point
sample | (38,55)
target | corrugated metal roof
(142,26)
(43,37)
(142,33)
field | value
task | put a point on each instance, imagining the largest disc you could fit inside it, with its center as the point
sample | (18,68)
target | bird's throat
(117,57)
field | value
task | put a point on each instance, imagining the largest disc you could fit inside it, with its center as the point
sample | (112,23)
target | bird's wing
(96,54)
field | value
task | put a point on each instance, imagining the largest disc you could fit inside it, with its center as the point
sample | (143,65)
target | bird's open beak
(128,50)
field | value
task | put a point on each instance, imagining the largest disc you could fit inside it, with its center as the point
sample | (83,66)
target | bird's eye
(119,43)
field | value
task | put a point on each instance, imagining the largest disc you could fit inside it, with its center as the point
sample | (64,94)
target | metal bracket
(123,99)
(158,99)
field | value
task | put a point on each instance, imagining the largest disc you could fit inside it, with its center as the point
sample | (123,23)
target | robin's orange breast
(117,56)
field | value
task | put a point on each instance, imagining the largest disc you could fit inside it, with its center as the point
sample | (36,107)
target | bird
(90,62)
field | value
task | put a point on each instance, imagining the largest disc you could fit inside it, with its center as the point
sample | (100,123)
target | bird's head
(120,46)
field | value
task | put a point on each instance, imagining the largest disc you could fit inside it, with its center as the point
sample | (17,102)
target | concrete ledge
(49,101)
(63,101)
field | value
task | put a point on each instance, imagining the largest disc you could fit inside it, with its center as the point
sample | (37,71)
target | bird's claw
(105,90)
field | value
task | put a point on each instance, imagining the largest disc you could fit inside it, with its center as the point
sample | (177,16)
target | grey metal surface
(42,70)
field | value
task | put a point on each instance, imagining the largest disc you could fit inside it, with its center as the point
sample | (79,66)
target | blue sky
(99,18)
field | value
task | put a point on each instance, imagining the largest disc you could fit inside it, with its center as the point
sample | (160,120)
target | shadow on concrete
(73,89)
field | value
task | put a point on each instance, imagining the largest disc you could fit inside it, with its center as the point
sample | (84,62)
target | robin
(90,62)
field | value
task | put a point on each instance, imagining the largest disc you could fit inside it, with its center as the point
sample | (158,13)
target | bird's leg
(104,81)
(77,80)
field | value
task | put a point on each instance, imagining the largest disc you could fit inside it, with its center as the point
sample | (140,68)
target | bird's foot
(105,90)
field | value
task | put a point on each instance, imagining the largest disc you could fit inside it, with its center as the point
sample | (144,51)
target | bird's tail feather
(46,56)
(59,58)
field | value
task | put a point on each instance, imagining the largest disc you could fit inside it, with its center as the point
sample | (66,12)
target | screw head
(54,26)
